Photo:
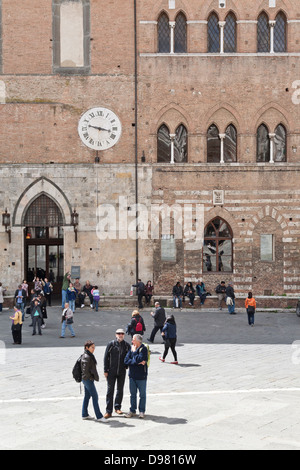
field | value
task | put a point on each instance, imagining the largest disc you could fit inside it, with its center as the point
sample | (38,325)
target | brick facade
(39,116)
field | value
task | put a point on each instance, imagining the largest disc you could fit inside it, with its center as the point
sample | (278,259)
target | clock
(99,128)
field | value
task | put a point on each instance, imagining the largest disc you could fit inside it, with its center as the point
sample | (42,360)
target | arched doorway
(44,243)
(217,248)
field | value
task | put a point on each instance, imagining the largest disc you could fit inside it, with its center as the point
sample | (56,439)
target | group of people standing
(120,356)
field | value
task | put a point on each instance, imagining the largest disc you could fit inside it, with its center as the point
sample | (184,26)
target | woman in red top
(250,305)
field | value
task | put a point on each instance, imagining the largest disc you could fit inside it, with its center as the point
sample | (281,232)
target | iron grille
(43,212)
(180,34)
(263,33)
(213,32)
(230,33)
(280,33)
(163,34)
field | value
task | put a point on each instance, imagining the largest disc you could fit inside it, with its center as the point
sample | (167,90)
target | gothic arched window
(180,33)
(280,33)
(263,33)
(263,144)
(230,144)
(217,248)
(213,33)
(230,33)
(163,145)
(163,31)
(213,145)
(279,148)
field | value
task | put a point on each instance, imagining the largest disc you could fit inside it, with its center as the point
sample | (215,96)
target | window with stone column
(213,33)
(172,35)
(280,33)
(221,148)
(271,146)
(172,148)
(263,33)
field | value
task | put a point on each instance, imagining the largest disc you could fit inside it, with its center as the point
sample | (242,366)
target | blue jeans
(72,305)
(63,328)
(63,298)
(179,301)
(231,308)
(134,386)
(90,392)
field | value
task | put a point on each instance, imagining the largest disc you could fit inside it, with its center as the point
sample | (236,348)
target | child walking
(250,305)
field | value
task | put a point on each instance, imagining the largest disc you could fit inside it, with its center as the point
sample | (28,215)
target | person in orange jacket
(250,305)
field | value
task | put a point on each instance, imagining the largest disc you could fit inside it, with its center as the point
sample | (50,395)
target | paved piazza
(235,387)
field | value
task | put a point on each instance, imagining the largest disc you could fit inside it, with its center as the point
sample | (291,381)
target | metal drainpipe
(136,138)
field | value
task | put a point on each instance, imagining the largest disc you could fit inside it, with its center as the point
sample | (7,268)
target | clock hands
(99,128)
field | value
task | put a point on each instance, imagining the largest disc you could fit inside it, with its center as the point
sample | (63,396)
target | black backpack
(76,372)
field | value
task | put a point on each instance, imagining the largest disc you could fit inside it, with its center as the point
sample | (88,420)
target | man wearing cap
(115,371)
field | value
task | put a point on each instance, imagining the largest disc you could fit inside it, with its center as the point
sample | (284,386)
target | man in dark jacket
(37,317)
(159,320)
(20,296)
(140,292)
(115,371)
(137,359)
(230,294)
(177,295)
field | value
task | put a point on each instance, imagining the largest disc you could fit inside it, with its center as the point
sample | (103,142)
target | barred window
(230,33)
(43,212)
(263,33)
(280,33)
(163,29)
(217,249)
(180,34)
(213,33)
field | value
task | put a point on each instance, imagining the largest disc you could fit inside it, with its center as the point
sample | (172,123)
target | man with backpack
(115,371)
(137,360)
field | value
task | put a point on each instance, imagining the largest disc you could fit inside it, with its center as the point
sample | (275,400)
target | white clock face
(99,128)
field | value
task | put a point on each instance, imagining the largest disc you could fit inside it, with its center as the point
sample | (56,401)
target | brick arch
(181,6)
(213,7)
(227,115)
(218,211)
(41,186)
(281,115)
(268,211)
(286,6)
(172,115)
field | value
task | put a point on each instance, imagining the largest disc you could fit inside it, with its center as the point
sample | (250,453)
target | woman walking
(67,321)
(16,327)
(169,332)
(89,376)
(250,305)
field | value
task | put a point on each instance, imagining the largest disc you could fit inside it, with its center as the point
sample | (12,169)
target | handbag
(229,301)
(70,321)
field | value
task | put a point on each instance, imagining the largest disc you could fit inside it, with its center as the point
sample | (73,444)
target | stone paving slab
(235,387)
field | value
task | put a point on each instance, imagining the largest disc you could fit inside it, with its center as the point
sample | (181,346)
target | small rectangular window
(71,36)
(267,247)
(168,248)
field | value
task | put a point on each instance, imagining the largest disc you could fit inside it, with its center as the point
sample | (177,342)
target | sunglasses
(120,333)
